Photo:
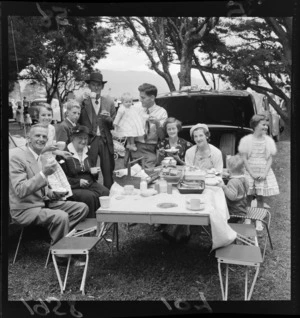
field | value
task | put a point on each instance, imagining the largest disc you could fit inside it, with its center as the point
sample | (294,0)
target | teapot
(168,161)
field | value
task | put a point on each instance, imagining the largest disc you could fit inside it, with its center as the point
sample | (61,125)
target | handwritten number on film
(43,310)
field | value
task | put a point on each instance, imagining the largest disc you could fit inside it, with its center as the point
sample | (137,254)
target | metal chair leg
(20,238)
(47,260)
(82,286)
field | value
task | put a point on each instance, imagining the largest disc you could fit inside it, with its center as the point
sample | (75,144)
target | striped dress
(257,161)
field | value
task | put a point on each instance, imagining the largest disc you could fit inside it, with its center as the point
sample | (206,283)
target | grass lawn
(148,268)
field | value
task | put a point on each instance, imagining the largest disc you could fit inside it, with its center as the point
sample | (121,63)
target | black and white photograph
(149,158)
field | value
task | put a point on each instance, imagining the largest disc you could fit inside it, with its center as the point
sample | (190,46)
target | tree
(166,40)
(256,53)
(56,57)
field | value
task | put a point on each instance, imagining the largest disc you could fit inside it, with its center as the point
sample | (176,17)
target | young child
(257,150)
(27,119)
(128,122)
(237,188)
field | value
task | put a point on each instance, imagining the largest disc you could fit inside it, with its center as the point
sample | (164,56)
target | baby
(236,188)
(128,122)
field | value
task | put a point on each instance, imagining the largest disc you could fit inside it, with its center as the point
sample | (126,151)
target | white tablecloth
(213,198)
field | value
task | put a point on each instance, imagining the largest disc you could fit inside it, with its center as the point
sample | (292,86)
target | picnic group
(54,178)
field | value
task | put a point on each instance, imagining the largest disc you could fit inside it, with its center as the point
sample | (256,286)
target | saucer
(135,192)
(202,207)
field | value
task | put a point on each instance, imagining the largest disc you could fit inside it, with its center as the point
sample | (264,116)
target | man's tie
(147,127)
(40,166)
(97,98)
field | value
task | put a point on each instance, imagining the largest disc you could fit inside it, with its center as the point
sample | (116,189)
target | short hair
(44,105)
(148,89)
(172,120)
(254,121)
(235,164)
(126,96)
(36,126)
(71,103)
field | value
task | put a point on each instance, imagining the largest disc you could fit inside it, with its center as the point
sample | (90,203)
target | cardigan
(245,146)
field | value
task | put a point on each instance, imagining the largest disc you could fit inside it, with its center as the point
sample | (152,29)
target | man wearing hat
(98,113)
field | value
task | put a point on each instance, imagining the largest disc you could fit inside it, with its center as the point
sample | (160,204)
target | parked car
(33,109)
(227,114)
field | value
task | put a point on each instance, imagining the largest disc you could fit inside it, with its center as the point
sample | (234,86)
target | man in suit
(64,129)
(98,113)
(31,201)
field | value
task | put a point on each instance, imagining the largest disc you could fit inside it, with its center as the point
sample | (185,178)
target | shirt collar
(150,108)
(75,154)
(74,125)
(36,156)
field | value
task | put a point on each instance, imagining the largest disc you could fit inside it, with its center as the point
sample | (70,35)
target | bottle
(143,185)
(163,186)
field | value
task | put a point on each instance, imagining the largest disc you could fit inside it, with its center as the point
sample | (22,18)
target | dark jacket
(90,119)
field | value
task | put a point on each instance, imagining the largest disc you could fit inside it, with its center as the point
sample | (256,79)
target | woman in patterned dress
(257,150)
(171,128)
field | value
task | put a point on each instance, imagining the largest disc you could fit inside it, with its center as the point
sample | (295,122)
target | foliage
(165,40)
(255,53)
(59,58)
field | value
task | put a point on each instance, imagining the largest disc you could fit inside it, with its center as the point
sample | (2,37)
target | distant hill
(119,82)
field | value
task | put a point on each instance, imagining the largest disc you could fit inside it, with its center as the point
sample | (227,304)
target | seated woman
(84,184)
(171,128)
(203,155)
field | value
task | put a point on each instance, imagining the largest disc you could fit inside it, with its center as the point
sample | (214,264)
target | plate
(167,205)
(202,207)
(135,192)
(211,181)
(171,150)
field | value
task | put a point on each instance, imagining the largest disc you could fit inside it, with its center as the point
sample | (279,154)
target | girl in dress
(257,150)
(27,119)
(128,122)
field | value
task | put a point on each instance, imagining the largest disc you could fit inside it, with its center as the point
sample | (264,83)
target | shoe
(247,221)
(133,148)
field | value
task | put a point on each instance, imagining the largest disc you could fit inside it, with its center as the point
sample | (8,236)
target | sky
(123,58)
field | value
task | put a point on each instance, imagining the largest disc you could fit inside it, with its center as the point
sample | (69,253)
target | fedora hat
(95,77)
(78,130)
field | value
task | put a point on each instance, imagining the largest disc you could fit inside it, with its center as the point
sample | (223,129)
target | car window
(209,109)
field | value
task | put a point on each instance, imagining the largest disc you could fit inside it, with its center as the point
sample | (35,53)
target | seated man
(31,201)
(63,130)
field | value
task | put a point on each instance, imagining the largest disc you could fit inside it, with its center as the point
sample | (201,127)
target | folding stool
(74,243)
(244,255)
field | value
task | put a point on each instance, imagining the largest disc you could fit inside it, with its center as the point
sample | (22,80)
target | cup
(61,145)
(104,202)
(128,189)
(94,170)
(193,204)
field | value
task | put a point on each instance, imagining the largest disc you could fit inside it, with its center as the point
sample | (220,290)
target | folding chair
(73,246)
(259,214)
(75,243)
(244,255)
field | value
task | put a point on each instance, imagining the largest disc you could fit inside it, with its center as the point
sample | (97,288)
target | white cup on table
(193,203)
(104,202)
(94,170)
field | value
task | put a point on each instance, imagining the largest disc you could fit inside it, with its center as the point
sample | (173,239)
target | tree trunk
(185,67)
